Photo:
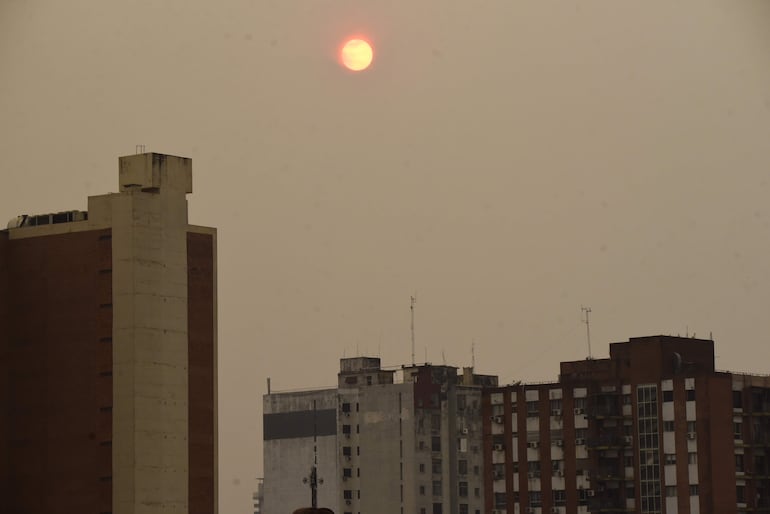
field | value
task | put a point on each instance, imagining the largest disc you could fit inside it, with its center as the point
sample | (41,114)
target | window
(345,407)
(435,466)
(740,493)
(347,494)
(369,380)
(691,395)
(436,508)
(555,405)
(739,462)
(435,443)
(691,426)
(462,489)
(737,430)
(628,461)
(668,396)
(580,403)
(694,490)
(668,426)
(463,508)
(460,402)
(475,470)
(581,433)
(737,399)
(477,492)
(559,497)
(346,429)
(500,501)
(532,409)
(692,458)
(422,468)
(669,458)
(346,451)
(437,488)
(462,467)
(422,490)
(626,399)
(435,422)
(670,491)
(535,499)
(347,472)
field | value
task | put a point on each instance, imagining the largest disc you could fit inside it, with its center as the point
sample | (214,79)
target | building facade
(108,352)
(385,441)
(654,429)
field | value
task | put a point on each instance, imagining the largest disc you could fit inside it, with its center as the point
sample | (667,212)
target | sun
(356,54)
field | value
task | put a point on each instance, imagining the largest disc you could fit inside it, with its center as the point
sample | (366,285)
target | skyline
(508,162)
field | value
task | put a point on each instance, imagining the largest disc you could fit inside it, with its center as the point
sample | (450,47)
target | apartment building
(383,441)
(653,429)
(108,334)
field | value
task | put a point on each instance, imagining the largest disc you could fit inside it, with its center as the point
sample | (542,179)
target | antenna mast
(411,308)
(587,321)
(473,353)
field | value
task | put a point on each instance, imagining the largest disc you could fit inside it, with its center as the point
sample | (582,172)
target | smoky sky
(507,161)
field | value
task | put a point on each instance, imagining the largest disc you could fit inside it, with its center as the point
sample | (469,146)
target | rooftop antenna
(587,321)
(413,301)
(313,479)
(473,354)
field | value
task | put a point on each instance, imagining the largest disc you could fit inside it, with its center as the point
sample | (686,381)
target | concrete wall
(150,352)
(287,461)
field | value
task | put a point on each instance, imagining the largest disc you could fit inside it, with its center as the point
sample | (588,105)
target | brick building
(108,336)
(652,429)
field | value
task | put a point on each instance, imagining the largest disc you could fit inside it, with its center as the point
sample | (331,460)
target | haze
(506,160)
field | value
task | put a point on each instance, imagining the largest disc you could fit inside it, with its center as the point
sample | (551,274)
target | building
(108,344)
(384,441)
(652,429)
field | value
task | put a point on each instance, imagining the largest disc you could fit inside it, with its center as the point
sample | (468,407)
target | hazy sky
(507,160)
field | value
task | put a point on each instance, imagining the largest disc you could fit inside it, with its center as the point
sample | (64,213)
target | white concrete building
(386,441)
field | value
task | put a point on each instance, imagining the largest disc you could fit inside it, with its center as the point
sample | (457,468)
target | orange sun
(356,54)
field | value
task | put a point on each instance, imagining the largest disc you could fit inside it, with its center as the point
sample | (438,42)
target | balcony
(608,505)
(608,442)
(608,474)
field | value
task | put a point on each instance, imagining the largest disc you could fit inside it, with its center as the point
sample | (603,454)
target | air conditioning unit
(533,444)
(530,511)
(580,442)
(628,439)
(578,411)
(691,436)
(554,510)
(499,447)
(498,419)
(464,430)
(559,473)
(590,492)
(559,442)
(556,412)
(498,476)
(533,474)
(347,502)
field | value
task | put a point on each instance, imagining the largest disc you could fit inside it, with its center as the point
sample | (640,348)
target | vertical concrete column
(150,338)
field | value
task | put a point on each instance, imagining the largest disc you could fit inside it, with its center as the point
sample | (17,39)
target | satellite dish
(677,358)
